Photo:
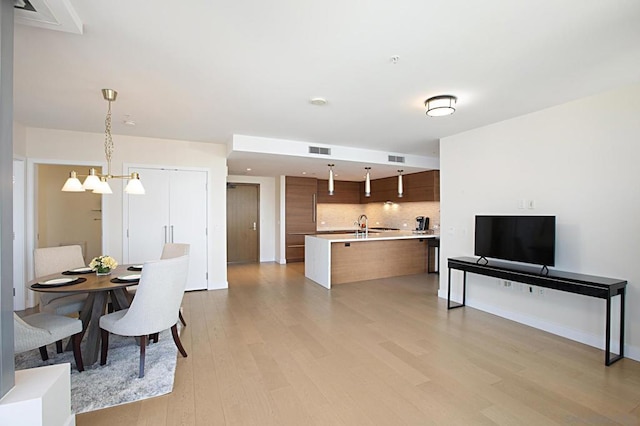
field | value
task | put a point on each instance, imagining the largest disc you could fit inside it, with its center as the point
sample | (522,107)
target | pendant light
(367,183)
(331,183)
(96,182)
(400,187)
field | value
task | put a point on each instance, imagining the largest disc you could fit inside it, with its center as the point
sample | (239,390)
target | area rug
(116,382)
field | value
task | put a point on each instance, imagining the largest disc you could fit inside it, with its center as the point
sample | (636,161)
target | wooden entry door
(243,224)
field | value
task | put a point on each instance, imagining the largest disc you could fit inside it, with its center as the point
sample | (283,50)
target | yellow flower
(103,262)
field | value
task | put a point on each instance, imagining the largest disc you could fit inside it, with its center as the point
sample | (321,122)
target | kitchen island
(343,258)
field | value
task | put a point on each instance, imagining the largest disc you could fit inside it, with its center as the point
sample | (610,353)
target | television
(527,239)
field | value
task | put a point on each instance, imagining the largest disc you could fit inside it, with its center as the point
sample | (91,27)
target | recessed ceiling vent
(319,150)
(396,159)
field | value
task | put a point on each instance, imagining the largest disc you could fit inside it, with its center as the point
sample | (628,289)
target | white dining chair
(169,251)
(154,309)
(51,260)
(40,330)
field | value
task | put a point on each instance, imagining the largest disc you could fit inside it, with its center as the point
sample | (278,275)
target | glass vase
(103,271)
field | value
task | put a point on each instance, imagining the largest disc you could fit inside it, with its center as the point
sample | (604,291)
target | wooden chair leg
(43,353)
(176,340)
(59,346)
(184,323)
(77,353)
(105,346)
(143,345)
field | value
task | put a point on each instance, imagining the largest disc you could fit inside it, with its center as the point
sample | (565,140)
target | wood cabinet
(422,186)
(345,192)
(173,209)
(300,214)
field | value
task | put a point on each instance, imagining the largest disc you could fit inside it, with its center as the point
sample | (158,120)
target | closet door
(148,217)
(188,221)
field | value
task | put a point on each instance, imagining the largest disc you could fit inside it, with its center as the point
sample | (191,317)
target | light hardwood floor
(276,349)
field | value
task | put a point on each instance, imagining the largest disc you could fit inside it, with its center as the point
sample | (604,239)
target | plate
(85,269)
(57,281)
(137,266)
(131,277)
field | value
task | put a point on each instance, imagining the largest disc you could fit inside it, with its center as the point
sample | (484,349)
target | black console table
(588,285)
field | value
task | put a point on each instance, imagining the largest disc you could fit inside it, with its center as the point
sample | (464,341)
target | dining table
(100,289)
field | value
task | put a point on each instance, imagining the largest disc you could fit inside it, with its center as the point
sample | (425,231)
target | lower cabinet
(173,210)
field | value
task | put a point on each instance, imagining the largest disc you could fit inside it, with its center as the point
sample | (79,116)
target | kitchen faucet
(363,222)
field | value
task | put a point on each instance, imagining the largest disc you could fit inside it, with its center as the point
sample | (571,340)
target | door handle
(313,206)
(165,234)
(171,233)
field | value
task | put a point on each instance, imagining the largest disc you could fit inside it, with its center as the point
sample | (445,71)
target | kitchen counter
(341,258)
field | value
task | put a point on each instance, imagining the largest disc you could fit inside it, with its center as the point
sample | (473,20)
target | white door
(188,221)
(148,214)
(173,209)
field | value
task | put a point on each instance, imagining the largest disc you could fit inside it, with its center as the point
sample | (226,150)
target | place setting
(79,271)
(59,282)
(135,268)
(126,278)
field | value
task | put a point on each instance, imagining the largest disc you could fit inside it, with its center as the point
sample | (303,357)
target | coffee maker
(422,223)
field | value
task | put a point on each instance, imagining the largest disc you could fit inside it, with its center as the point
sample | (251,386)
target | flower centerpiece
(103,264)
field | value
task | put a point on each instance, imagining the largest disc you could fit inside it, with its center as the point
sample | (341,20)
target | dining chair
(169,251)
(154,309)
(50,260)
(40,330)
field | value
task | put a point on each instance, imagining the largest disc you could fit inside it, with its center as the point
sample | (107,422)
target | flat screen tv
(527,239)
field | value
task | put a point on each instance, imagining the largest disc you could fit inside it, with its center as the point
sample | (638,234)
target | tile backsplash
(400,215)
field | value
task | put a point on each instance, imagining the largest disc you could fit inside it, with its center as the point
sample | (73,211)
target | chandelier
(99,183)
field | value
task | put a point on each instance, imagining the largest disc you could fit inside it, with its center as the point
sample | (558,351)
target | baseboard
(590,339)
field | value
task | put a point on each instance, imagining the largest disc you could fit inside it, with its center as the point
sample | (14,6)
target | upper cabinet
(344,192)
(422,186)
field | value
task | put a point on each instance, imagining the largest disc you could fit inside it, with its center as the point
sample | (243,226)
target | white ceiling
(204,70)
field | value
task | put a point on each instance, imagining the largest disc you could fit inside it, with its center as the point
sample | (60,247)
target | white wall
(577,161)
(51,146)
(268,222)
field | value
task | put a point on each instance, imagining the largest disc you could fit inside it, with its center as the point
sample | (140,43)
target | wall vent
(396,159)
(319,150)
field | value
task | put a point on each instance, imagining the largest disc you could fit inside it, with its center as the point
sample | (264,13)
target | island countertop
(375,235)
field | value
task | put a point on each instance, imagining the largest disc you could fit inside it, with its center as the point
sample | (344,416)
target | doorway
(243,223)
(66,218)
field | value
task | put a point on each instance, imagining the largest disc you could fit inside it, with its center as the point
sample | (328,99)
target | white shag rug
(116,382)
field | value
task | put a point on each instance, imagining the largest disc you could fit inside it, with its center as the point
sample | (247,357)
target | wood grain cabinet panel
(422,186)
(344,192)
(367,260)
(300,214)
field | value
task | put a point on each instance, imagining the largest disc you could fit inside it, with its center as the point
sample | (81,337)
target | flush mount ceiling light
(318,101)
(99,183)
(331,178)
(439,106)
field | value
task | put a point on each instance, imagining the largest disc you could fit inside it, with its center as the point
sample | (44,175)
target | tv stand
(587,285)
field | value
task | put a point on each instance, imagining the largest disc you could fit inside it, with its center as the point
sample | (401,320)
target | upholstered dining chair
(154,309)
(169,251)
(50,260)
(40,330)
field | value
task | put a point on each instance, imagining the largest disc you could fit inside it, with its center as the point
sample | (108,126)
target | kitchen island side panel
(373,259)
(317,260)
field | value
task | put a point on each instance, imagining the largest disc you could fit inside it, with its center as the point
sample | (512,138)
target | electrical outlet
(530,289)
(540,291)
(531,204)
(506,284)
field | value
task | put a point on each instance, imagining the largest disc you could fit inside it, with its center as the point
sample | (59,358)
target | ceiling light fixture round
(318,101)
(439,106)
